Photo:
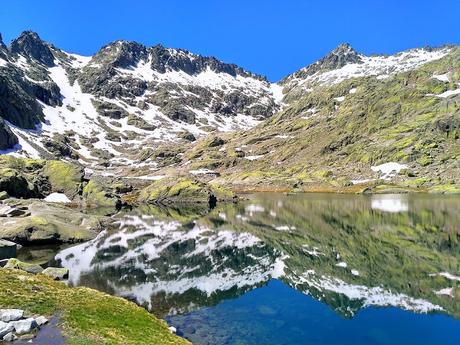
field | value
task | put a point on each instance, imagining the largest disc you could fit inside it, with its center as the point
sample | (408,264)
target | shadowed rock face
(7,138)
(31,45)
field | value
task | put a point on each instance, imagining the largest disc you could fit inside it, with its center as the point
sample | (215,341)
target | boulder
(3,195)
(24,266)
(41,320)
(50,223)
(10,337)
(64,177)
(5,328)
(96,193)
(183,190)
(7,249)
(8,315)
(15,183)
(56,273)
(24,326)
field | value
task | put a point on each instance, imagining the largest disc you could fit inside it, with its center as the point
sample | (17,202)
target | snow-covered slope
(125,98)
(345,63)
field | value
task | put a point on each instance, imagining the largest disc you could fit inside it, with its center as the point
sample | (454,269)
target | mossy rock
(64,177)
(3,195)
(57,273)
(15,183)
(96,193)
(183,190)
(23,266)
(50,223)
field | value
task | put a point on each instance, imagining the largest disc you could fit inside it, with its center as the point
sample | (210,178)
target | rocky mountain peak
(121,54)
(31,45)
(167,59)
(340,56)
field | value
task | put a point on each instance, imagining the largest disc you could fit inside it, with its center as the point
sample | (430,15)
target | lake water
(288,269)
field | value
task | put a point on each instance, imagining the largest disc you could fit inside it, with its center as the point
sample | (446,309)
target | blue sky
(269,37)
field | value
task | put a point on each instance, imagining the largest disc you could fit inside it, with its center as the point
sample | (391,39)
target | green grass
(87,316)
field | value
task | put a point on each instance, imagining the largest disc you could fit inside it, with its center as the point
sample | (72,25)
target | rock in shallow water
(7,249)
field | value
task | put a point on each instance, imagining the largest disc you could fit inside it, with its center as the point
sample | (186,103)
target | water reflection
(392,203)
(170,267)
(349,252)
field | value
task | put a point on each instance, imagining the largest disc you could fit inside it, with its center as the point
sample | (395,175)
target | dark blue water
(278,314)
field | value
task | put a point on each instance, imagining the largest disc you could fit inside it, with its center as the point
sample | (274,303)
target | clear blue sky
(269,37)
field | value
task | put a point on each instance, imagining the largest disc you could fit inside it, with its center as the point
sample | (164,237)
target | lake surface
(288,269)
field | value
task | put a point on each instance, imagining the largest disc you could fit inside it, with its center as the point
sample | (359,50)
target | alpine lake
(286,269)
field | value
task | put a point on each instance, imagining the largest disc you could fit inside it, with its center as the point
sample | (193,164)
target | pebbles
(14,324)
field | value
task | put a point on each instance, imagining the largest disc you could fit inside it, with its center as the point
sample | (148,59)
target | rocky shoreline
(15,324)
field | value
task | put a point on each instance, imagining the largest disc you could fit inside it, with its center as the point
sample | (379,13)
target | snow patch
(253,158)
(202,172)
(58,198)
(388,170)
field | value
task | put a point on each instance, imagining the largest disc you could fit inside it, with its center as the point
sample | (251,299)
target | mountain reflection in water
(349,252)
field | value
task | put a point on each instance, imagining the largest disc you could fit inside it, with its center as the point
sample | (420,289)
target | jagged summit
(127,54)
(31,45)
(120,53)
(340,56)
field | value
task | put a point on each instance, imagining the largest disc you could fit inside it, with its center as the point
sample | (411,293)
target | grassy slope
(385,120)
(87,316)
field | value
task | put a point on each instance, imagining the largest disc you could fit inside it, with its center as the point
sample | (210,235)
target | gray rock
(7,315)
(56,273)
(23,266)
(41,320)
(7,249)
(10,337)
(24,326)
(5,328)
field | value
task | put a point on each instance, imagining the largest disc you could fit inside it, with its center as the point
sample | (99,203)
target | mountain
(347,122)
(125,97)
(352,123)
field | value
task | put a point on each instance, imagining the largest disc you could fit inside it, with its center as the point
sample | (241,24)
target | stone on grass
(19,265)
(24,326)
(41,320)
(7,315)
(56,273)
